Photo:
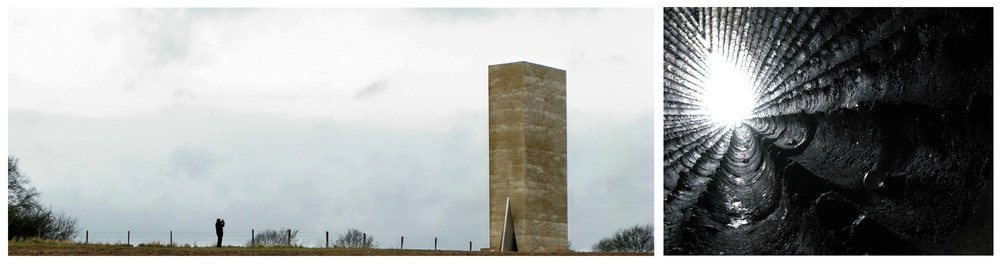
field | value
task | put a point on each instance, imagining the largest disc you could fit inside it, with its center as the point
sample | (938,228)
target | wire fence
(241,238)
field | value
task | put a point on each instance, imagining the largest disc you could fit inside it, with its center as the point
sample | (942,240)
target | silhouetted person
(219,223)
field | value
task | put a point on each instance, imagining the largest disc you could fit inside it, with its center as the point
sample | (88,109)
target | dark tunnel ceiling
(870,131)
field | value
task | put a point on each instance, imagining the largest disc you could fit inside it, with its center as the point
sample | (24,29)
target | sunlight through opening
(728,97)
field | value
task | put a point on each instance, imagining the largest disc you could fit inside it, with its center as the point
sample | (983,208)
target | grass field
(57,249)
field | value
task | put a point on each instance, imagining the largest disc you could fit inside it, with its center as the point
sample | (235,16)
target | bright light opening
(728,96)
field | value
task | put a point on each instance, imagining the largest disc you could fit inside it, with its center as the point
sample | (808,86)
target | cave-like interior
(870,131)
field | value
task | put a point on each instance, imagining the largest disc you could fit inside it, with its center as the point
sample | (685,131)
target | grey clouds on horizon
(153,120)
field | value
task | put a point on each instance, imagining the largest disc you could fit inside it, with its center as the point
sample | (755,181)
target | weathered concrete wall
(528,154)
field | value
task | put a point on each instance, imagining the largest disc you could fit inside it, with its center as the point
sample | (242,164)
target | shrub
(274,238)
(634,239)
(355,239)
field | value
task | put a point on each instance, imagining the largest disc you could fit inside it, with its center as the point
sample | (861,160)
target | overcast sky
(153,120)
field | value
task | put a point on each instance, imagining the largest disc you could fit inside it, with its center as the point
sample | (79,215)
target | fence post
(470,246)
(328,239)
(289,237)
(86,240)
(252,243)
(171,237)
(435,243)
(400,242)
(364,239)
(128,239)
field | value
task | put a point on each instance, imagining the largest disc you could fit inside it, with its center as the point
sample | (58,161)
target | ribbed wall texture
(870,132)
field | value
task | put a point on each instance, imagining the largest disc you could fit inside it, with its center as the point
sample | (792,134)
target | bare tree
(275,238)
(20,195)
(62,227)
(25,215)
(638,238)
(355,239)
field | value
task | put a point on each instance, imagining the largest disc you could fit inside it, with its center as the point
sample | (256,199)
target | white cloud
(311,63)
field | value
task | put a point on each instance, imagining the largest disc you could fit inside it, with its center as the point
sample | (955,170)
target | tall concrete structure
(528,157)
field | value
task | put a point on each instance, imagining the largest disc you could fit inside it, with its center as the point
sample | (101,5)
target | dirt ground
(32,249)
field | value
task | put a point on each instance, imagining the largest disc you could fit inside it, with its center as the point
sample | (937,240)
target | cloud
(372,89)
(457,15)
(182,94)
(103,62)
(130,62)
(191,163)
(610,171)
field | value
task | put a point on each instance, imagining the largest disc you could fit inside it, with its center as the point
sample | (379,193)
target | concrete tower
(528,157)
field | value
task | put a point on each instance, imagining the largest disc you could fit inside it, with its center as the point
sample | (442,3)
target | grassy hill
(74,249)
